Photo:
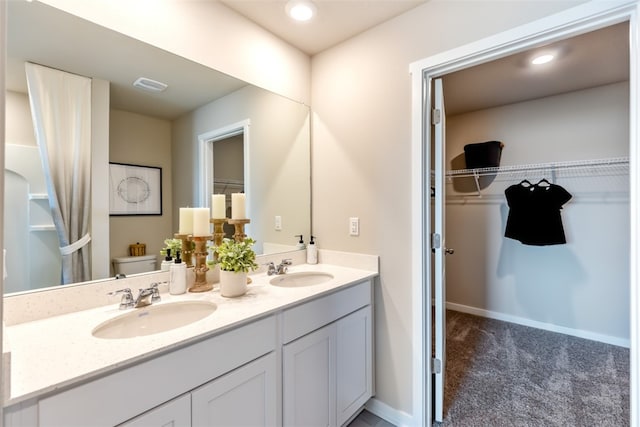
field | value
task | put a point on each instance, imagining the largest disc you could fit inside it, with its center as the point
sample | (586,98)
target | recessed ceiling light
(150,85)
(300,10)
(542,59)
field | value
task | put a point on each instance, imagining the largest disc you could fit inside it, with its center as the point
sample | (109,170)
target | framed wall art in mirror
(134,189)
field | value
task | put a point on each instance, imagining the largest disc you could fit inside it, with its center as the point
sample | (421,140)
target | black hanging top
(534,213)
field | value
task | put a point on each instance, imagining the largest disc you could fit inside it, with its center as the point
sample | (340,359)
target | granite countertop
(59,351)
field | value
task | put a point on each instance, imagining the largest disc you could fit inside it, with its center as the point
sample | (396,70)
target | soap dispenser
(166,263)
(300,244)
(178,276)
(312,252)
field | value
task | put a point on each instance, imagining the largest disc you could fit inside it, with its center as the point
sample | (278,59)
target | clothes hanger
(525,183)
(542,183)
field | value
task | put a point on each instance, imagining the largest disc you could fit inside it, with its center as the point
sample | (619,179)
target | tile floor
(367,419)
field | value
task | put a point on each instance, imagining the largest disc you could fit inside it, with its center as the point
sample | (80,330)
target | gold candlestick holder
(239,224)
(187,248)
(218,230)
(200,255)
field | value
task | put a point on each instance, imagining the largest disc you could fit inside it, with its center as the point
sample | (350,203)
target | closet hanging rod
(231,182)
(552,166)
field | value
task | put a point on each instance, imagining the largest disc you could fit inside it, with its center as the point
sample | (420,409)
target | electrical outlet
(354,226)
(278,223)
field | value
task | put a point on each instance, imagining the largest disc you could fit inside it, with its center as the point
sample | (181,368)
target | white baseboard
(389,414)
(621,342)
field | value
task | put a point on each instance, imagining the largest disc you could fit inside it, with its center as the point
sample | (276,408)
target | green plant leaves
(236,256)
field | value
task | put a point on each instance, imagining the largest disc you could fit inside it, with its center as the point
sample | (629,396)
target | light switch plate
(354,226)
(278,225)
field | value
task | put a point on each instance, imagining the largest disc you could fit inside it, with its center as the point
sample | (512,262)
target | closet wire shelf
(228,185)
(617,165)
(614,166)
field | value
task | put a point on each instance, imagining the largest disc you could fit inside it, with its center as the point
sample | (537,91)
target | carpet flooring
(501,374)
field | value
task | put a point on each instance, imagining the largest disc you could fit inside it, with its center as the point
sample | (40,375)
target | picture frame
(134,189)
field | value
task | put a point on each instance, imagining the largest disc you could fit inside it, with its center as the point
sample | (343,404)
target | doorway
(578,21)
(224,165)
(228,172)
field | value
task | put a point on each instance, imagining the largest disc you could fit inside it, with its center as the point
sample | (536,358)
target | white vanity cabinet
(307,362)
(123,395)
(176,413)
(309,380)
(245,396)
(327,358)
(354,363)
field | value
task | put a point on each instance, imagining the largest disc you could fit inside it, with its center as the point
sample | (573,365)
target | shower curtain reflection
(61,111)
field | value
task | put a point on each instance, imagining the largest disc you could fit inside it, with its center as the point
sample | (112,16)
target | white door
(439,249)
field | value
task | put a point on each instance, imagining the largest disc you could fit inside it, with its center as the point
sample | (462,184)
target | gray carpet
(503,374)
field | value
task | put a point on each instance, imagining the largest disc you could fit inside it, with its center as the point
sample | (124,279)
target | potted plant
(173,245)
(235,259)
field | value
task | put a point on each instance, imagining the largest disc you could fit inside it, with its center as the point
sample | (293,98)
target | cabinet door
(175,413)
(245,396)
(354,363)
(309,380)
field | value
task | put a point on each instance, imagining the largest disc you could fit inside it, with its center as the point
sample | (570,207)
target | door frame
(577,20)
(205,154)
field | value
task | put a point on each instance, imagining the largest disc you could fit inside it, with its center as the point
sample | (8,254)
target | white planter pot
(233,284)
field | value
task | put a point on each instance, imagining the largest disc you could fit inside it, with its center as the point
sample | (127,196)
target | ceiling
(43,34)
(588,60)
(335,20)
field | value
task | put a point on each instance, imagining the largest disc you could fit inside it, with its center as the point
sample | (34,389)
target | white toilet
(134,264)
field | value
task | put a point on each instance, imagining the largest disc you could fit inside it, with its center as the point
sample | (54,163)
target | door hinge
(435,241)
(436,116)
(436,366)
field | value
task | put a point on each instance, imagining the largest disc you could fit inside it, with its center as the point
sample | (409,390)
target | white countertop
(59,351)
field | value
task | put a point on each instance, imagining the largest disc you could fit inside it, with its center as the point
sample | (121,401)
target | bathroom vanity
(279,355)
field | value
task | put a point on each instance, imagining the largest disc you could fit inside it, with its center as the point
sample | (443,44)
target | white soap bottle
(312,252)
(300,244)
(167,262)
(178,276)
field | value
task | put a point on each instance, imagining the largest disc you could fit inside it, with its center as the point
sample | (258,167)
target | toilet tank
(134,264)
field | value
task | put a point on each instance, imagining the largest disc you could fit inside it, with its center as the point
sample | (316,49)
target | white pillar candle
(218,208)
(185,225)
(201,222)
(238,206)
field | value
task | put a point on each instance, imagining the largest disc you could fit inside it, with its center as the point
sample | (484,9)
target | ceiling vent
(150,85)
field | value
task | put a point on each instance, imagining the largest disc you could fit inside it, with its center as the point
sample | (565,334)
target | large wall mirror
(171,130)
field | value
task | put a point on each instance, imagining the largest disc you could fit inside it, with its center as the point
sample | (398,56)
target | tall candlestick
(238,206)
(201,222)
(218,206)
(186,221)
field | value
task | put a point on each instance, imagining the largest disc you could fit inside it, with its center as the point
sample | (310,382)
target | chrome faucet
(280,268)
(145,297)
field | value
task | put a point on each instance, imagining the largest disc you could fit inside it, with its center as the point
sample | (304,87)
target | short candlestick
(200,255)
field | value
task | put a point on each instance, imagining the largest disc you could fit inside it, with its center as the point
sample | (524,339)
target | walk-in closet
(564,126)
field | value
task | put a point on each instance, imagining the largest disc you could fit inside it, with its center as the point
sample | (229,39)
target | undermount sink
(154,319)
(301,279)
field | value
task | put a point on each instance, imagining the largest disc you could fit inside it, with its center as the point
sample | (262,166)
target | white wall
(361,98)
(206,32)
(19,128)
(581,287)
(145,141)
(279,178)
